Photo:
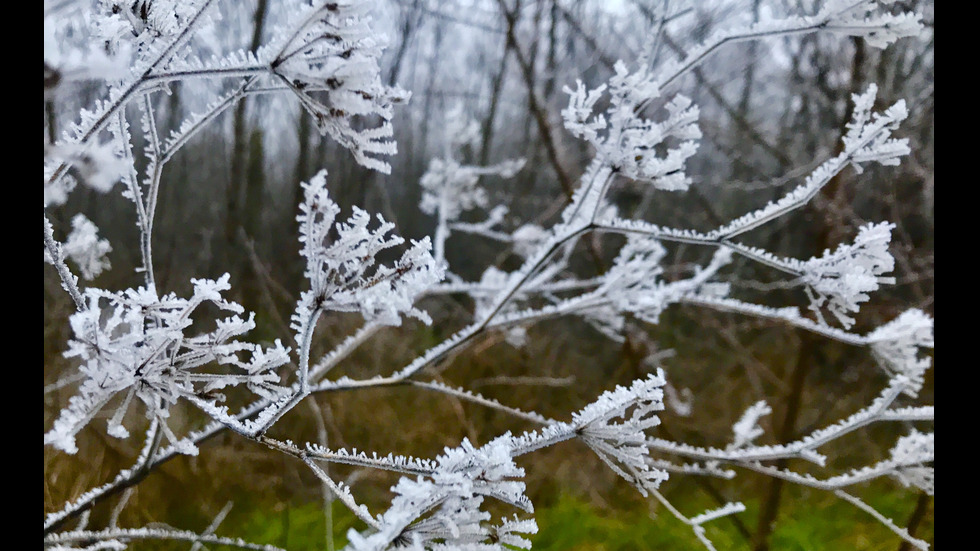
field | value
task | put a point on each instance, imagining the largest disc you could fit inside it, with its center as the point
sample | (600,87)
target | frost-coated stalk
(323,440)
(132,181)
(55,255)
(704,50)
(92,537)
(342,493)
(187,131)
(695,523)
(153,189)
(304,357)
(919,544)
(218,519)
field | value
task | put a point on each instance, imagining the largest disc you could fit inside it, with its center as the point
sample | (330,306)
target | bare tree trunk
(410,22)
(537,110)
(51,121)
(921,507)
(236,185)
(498,81)
(252,218)
(811,346)
(770,505)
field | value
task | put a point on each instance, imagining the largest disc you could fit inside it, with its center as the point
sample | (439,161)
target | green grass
(809,520)
(572,524)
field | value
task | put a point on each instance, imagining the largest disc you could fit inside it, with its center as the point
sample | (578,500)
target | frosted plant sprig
(747,428)
(633,285)
(869,139)
(344,274)
(83,503)
(630,286)
(97,165)
(441,507)
(613,426)
(95,120)
(913,454)
(133,345)
(896,346)
(865,19)
(86,248)
(880,410)
(628,142)
(878,27)
(695,523)
(54,253)
(622,444)
(901,532)
(343,271)
(65,64)
(842,279)
(450,188)
(355,90)
(118,23)
(443,510)
(910,463)
(332,43)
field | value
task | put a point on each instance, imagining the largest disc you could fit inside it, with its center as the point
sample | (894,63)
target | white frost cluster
(747,428)
(85,247)
(134,344)
(842,279)
(613,427)
(633,285)
(629,142)
(867,19)
(914,455)
(451,188)
(342,267)
(896,346)
(614,424)
(868,137)
(443,511)
(331,65)
(97,165)
(141,23)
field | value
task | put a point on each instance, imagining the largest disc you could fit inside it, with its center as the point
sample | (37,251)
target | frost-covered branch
(116,538)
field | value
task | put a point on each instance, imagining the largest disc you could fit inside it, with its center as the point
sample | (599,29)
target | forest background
(770,110)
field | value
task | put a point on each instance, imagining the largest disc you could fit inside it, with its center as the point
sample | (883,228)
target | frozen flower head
(444,509)
(913,456)
(613,426)
(527,238)
(451,188)
(896,346)
(633,285)
(140,23)
(747,428)
(86,248)
(842,279)
(629,143)
(332,67)
(135,344)
(343,270)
